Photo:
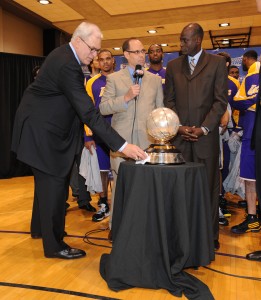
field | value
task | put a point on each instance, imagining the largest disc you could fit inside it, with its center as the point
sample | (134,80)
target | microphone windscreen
(138,73)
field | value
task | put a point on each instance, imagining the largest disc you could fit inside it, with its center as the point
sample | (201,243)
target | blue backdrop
(235,53)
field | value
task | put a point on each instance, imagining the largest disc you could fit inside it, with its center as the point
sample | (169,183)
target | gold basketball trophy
(162,125)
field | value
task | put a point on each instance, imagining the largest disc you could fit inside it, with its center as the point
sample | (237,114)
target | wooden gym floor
(26,274)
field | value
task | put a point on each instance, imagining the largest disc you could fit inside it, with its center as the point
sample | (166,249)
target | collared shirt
(74,52)
(131,71)
(196,57)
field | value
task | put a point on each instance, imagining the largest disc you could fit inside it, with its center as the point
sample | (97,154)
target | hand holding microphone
(134,90)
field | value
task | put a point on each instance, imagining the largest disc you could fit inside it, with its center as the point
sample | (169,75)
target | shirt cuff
(123,147)
(205,130)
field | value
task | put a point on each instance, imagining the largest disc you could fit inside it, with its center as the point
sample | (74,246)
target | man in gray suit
(47,136)
(131,102)
(196,89)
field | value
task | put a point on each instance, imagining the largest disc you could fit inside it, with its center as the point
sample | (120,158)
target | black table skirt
(161,225)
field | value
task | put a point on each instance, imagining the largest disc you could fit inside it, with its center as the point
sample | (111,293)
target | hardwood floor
(26,274)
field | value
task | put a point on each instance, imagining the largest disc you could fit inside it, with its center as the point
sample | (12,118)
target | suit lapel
(202,62)
(126,78)
(143,83)
(185,67)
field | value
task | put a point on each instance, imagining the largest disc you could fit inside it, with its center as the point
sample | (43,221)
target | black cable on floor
(54,290)
(233,275)
(87,236)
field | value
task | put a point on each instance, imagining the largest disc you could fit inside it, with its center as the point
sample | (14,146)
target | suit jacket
(129,119)
(47,131)
(199,99)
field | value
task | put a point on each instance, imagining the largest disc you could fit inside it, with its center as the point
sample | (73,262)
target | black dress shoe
(254,256)
(88,207)
(69,253)
(216,244)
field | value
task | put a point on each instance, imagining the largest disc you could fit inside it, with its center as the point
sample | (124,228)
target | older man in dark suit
(196,89)
(47,133)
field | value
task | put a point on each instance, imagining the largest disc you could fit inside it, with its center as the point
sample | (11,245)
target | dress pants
(48,215)
(212,168)
(74,184)
(84,196)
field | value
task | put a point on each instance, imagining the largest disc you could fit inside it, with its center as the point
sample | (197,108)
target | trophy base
(164,154)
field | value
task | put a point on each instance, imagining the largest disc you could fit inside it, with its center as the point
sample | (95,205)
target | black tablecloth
(161,225)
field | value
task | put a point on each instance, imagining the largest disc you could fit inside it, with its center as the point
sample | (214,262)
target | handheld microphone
(138,73)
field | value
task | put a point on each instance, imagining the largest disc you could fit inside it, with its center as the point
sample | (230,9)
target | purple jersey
(233,86)
(95,87)
(161,73)
(245,101)
(246,97)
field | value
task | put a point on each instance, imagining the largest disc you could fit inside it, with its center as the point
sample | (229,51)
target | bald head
(86,41)
(191,39)
(85,30)
(196,29)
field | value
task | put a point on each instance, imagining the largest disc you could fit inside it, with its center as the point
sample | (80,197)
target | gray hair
(85,29)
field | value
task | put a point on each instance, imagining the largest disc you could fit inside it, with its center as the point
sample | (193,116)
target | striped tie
(192,65)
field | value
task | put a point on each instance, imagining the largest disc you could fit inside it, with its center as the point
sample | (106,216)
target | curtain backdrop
(15,76)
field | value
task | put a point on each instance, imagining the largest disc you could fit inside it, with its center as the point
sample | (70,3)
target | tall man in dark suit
(196,89)
(47,133)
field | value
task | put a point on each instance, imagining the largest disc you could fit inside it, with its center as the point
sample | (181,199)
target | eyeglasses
(143,51)
(93,50)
